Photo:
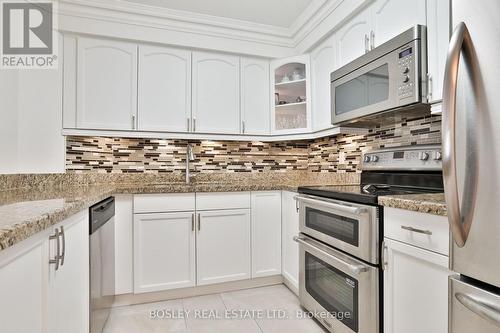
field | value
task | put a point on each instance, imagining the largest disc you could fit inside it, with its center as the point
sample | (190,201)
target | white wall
(8,123)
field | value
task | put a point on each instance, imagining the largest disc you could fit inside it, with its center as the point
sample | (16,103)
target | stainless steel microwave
(388,77)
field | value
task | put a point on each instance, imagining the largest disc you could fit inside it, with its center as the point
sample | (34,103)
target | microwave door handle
(336,206)
(482,308)
(460,222)
(353,268)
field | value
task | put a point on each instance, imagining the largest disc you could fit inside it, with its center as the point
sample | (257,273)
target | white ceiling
(280,13)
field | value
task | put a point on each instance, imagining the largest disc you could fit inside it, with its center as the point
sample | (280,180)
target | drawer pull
(420,231)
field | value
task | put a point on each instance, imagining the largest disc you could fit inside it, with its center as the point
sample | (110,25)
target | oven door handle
(354,268)
(332,205)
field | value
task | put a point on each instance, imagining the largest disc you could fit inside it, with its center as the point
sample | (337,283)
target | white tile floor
(216,314)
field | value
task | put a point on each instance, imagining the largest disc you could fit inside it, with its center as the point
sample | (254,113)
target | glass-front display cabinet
(290,95)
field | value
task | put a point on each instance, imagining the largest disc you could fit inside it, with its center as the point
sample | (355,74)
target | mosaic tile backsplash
(341,153)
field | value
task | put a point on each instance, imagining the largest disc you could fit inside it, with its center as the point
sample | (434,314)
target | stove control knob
(374,158)
(424,156)
(367,159)
(437,156)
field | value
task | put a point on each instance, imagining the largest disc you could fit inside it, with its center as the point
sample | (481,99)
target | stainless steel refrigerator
(471,165)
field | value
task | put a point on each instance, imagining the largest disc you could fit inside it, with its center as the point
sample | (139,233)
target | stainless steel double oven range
(341,230)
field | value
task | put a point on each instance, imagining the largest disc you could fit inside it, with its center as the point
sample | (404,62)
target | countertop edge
(415,203)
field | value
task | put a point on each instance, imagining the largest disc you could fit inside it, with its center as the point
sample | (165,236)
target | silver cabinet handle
(459,224)
(192,222)
(63,238)
(194,124)
(188,123)
(384,256)
(55,261)
(354,268)
(199,221)
(243,127)
(367,41)
(482,308)
(420,231)
(335,206)
(133,121)
(372,40)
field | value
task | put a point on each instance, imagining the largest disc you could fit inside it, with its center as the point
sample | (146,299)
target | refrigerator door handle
(460,221)
(482,308)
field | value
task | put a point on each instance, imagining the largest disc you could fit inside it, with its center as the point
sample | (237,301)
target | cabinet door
(216,91)
(352,39)
(392,17)
(23,288)
(255,96)
(164,89)
(322,64)
(223,246)
(164,251)
(106,84)
(289,229)
(415,290)
(266,233)
(69,285)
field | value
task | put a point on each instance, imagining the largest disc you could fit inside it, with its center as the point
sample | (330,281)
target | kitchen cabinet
(290,248)
(223,246)
(291,91)
(124,244)
(266,233)
(322,64)
(35,296)
(216,93)
(68,292)
(255,117)
(415,289)
(164,89)
(164,251)
(106,84)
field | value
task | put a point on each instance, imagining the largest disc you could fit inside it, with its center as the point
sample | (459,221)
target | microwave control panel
(406,64)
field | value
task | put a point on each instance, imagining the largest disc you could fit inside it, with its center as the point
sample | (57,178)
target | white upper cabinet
(106,84)
(255,117)
(291,95)
(392,17)
(216,102)
(352,40)
(322,64)
(164,101)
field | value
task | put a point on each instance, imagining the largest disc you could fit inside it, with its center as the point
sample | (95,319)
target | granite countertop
(25,212)
(423,203)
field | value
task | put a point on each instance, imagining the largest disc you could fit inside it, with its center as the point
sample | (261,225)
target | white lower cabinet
(289,248)
(35,297)
(415,289)
(223,246)
(266,233)
(164,256)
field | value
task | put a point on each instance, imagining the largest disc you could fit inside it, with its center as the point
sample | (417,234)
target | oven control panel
(404,158)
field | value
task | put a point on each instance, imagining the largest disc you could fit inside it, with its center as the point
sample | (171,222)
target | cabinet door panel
(322,64)
(164,251)
(350,38)
(255,96)
(266,233)
(392,17)
(164,89)
(290,228)
(223,246)
(216,90)
(416,290)
(106,84)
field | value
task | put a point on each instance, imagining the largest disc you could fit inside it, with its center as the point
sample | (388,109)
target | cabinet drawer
(222,200)
(426,231)
(157,203)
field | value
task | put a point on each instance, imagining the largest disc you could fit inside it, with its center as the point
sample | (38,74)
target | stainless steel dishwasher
(102,262)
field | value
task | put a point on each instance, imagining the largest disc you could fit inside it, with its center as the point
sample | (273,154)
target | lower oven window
(340,227)
(334,290)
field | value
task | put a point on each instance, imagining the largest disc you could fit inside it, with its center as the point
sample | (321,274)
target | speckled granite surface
(422,203)
(25,210)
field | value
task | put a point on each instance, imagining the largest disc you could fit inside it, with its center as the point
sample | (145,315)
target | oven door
(352,228)
(388,82)
(340,291)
